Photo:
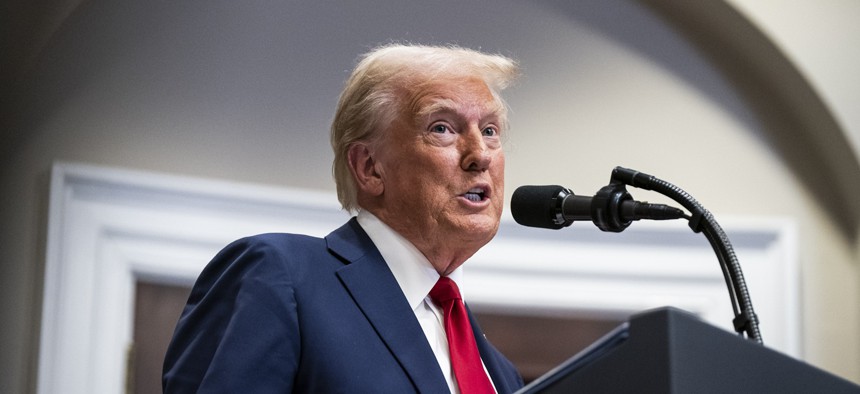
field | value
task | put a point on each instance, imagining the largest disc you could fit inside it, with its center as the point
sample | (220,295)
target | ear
(363,166)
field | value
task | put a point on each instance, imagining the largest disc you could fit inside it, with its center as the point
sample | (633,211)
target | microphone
(611,209)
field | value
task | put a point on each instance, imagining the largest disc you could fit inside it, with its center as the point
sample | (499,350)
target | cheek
(499,169)
(498,174)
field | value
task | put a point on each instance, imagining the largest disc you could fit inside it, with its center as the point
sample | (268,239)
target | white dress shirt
(416,277)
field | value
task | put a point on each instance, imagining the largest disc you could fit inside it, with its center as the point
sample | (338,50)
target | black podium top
(672,351)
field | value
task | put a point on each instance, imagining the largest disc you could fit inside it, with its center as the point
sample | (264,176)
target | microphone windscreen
(538,206)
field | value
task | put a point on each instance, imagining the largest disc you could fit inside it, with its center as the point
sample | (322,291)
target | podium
(668,350)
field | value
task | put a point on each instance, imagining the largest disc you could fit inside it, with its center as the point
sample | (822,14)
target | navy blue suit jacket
(279,313)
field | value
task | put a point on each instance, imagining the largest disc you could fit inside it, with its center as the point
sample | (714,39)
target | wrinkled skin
(437,176)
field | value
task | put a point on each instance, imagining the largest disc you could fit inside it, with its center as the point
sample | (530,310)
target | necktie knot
(444,291)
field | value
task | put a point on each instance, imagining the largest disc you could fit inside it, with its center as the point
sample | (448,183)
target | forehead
(465,96)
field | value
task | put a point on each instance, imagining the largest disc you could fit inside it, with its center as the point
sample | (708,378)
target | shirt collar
(413,272)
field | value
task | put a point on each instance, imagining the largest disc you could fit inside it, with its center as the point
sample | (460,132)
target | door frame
(109,228)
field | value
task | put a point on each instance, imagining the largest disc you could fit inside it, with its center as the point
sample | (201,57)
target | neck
(444,251)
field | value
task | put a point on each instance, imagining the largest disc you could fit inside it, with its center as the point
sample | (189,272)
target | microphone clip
(606,207)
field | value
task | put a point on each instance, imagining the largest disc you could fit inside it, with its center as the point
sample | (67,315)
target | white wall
(824,49)
(245,91)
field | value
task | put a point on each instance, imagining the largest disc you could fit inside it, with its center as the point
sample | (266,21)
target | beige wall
(234,91)
(823,50)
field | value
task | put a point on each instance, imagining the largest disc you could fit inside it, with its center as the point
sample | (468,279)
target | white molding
(109,228)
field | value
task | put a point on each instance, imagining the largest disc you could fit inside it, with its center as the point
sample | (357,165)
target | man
(418,154)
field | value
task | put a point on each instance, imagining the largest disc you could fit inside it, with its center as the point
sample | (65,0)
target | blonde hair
(379,87)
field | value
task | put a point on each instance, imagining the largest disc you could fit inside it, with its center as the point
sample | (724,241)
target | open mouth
(475,194)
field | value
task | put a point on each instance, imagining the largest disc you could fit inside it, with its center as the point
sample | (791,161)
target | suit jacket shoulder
(285,312)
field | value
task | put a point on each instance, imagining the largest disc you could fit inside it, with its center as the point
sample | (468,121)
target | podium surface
(668,350)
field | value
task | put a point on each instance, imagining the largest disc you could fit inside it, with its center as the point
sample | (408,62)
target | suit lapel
(377,294)
(499,371)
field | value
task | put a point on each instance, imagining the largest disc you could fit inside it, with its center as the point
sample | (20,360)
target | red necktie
(465,358)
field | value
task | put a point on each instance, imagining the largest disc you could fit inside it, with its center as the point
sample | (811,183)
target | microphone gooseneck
(613,209)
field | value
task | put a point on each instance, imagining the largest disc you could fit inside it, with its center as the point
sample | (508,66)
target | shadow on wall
(789,112)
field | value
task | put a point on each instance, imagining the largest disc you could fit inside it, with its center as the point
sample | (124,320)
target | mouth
(477,194)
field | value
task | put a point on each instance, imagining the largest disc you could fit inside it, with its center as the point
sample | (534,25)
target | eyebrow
(446,105)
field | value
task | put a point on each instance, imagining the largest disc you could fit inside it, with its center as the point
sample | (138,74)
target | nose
(476,154)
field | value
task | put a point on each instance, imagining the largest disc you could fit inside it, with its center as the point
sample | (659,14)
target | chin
(481,230)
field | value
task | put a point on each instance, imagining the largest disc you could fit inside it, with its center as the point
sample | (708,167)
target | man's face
(443,168)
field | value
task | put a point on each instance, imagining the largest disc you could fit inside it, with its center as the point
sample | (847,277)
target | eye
(439,128)
(489,132)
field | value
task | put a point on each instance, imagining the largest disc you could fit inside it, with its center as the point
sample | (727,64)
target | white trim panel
(109,228)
